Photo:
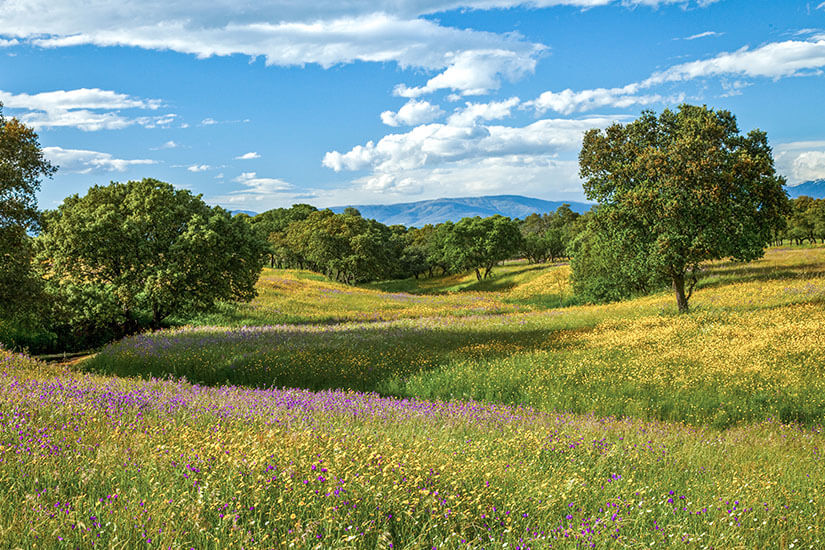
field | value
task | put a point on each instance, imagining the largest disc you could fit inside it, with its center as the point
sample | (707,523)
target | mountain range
(417,214)
(813,188)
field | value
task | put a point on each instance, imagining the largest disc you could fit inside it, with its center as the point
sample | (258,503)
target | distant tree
(480,243)
(804,221)
(546,237)
(271,226)
(131,253)
(687,186)
(22,167)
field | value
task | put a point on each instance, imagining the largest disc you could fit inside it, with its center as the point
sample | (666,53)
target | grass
(511,424)
(752,348)
(89,461)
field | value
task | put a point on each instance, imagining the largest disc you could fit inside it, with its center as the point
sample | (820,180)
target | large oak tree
(688,186)
(22,167)
(143,250)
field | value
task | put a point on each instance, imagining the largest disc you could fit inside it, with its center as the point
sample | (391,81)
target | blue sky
(265,104)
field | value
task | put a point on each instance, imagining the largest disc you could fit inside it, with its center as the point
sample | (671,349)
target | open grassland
(752,349)
(290,296)
(90,461)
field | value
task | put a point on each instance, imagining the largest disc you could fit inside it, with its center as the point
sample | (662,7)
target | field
(439,413)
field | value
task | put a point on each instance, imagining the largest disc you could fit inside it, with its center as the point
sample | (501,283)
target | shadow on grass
(353,358)
(730,272)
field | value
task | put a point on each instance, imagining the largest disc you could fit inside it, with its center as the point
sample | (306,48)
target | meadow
(753,347)
(90,461)
(440,413)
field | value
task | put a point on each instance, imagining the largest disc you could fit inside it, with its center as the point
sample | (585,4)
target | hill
(813,188)
(417,214)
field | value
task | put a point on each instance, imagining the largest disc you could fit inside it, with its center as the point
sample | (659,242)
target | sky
(263,104)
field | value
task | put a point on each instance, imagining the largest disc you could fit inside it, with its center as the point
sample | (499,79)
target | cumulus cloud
(473,112)
(88,109)
(412,113)
(801,161)
(248,156)
(80,161)
(198,168)
(8,43)
(434,145)
(477,72)
(568,101)
(256,184)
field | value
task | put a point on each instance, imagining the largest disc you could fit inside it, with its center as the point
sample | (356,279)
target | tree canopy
(142,250)
(22,167)
(686,187)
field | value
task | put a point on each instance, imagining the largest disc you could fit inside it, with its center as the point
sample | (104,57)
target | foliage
(549,236)
(806,221)
(687,186)
(609,263)
(22,167)
(130,254)
(480,243)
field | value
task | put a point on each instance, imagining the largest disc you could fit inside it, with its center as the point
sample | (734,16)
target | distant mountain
(247,212)
(417,214)
(813,188)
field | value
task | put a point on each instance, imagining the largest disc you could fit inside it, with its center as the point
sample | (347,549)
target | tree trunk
(478,274)
(679,289)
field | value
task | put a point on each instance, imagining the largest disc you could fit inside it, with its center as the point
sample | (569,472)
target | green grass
(751,349)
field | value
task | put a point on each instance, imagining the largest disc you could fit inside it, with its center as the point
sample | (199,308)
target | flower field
(752,349)
(435,425)
(89,461)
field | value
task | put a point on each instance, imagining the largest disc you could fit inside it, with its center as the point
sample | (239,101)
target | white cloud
(473,112)
(169,145)
(324,32)
(477,72)
(81,161)
(88,109)
(773,60)
(435,145)
(248,156)
(412,113)
(82,98)
(801,161)
(257,193)
(198,168)
(260,185)
(208,121)
(821,6)
(568,102)
(8,43)
(705,34)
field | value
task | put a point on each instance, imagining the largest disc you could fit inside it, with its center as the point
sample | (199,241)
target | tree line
(351,249)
